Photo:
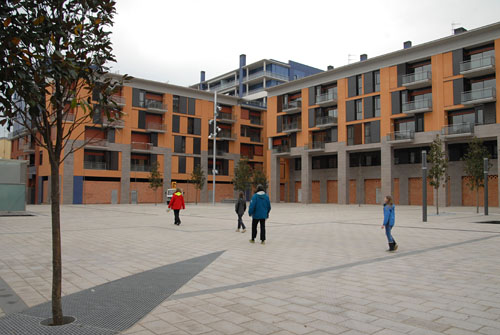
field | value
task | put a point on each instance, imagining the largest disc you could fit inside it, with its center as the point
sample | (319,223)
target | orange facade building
(356,133)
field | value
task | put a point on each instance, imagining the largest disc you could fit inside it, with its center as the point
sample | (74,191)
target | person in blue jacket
(259,209)
(388,224)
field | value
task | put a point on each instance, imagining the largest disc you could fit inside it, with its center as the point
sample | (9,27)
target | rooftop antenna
(453,26)
(351,58)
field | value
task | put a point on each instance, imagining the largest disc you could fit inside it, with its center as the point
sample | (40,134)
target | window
(456,151)
(359,85)
(468,116)
(182,164)
(175,104)
(179,144)
(358,105)
(176,120)
(376,81)
(376,105)
(190,129)
(324,162)
(196,145)
(409,155)
(196,162)
(368,132)
(371,158)
(298,164)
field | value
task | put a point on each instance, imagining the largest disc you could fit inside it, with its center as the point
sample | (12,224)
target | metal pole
(215,148)
(424,186)
(486,186)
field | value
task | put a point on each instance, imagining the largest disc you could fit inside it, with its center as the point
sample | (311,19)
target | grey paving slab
(10,302)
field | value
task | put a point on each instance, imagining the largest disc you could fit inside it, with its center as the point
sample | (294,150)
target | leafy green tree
(474,166)
(439,165)
(155,179)
(54,54)
(259,177)
(242,175)
(198,179)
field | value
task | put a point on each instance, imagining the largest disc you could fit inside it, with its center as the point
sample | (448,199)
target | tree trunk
(196,196)
(156,191)
(437,201)
(477,200)
(57,313)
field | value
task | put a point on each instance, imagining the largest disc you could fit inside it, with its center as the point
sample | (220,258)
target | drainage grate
(117,305)
(489,222)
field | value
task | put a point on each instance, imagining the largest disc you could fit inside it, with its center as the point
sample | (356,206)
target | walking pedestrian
(177,203)
(240,208)
(259,209)
(388,224)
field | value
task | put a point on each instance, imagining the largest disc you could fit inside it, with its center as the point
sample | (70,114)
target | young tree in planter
(155,179)
(54,55)
(474,166)
(259,177)
(439,164)
(198,179)
(242,175)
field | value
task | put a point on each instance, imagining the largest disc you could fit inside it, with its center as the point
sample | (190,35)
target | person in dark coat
(259,209)
(388,224)
(177,203)
(240,208)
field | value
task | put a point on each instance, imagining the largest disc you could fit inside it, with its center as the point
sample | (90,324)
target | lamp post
(424,186)
(214,134)
(485,186)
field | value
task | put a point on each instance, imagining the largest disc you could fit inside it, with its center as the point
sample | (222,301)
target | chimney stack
(330,67)
(407,45)
(459,30)
(363,57)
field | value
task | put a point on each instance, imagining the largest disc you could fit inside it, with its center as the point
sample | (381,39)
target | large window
(358,109)
(371,158)
(181,168)
(376,81)
(462,117)
(359,85)
(324,162)
(376,105)
(457,151)
(179,144)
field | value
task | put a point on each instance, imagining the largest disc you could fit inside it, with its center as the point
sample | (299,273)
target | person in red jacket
(177,203)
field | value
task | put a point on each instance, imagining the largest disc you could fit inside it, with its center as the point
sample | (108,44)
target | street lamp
(213,136)
(424,186)
(486,168)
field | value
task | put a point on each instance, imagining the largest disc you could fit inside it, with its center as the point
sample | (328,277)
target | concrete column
(403,190)
(306,177)
(387,163)
(443,195)
(498,165)
(343,176)
(360,186)
(167,172)
(274,183)
(125,181)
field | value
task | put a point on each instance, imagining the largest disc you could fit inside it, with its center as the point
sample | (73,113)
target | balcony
(478,67)
(281,150)
(140,168)
(117,99)
(417,80)
(316,146)
(226,135)
(141,146)
(292,107)
(292,127)
(226,117)
(94,165)
(156,127)
(458,130)
(327,99)
(255,104)
(261,74)
(115,123)
(96,143)
(219,153)
(252,138)
(223,86)
(155,106)
(401,136)
(417,106)
(29,147)
(480,96)
(326,121)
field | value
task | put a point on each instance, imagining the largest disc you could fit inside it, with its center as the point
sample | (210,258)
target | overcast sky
(172,41)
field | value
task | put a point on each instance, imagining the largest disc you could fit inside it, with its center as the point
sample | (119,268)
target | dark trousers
(240,222)
(262,229)
(177,220)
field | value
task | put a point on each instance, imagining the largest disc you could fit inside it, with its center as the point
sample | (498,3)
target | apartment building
(250,81)
(354,134)
(160,124)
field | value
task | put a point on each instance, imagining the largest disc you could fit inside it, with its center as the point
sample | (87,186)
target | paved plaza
(323,270)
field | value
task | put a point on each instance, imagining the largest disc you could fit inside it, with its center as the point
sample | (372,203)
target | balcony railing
(477,64)
(478,96)
(118,99)
(224,116)
(292,106)
(96,142)
(156,106)
(292,126)
(94,165)
(141,146)
(323,121)
(218,152)
(416,78)
(402,135)
(281,149)
(223,86)
(256,121)
(156,127)
(266,74)
(417,106)
(140,168)
(458,129)
(116,123)
(254,138)
(329,96)
(29,147)
(258,104)
(226,134)
(316,145)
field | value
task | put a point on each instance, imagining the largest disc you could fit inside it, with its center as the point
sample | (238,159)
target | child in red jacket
(177,203)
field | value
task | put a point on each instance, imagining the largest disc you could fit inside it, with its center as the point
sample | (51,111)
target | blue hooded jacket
(389,216)
(260,206)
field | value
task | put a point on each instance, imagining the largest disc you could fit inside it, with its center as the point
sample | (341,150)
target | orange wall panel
(341,94)
(352,191)
(395,195)
(145,194)
(316,192)
(99,192)
(222,191)
(469,196)
(332,192)
(371,186)
(415,192)
(297,188)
